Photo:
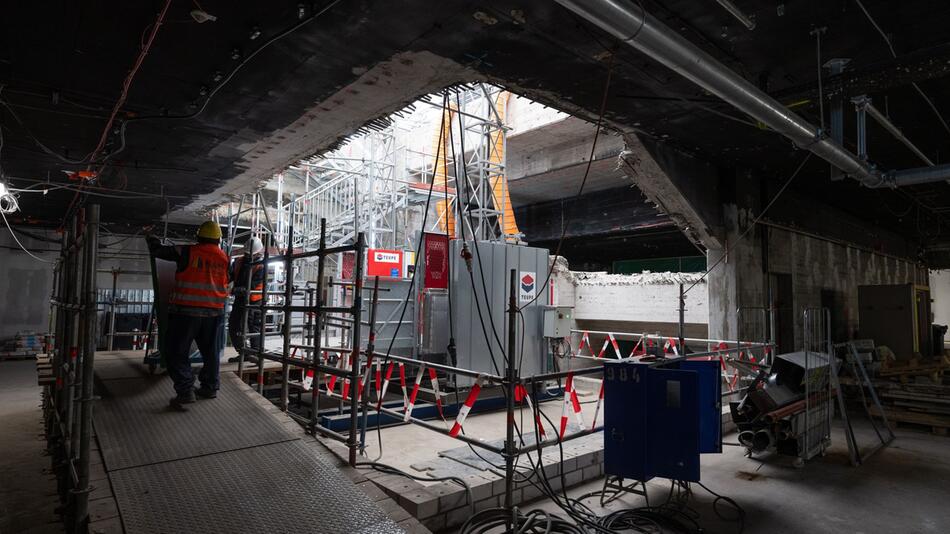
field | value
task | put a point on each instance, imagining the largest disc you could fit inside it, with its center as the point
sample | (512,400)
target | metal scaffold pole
(288,314)
(511,379)
(318,319)
(89,354)
(352,440)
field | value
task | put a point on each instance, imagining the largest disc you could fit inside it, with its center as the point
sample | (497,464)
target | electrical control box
(658,420)
(558,321)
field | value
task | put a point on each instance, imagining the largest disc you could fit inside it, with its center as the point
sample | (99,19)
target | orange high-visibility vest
(254,296)
(204,283)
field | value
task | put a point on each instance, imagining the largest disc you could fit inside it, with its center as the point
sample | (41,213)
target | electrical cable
(590,162)
(750,227)
(890,47)
(239,66)
(15,238)
(388,469)
(412,279)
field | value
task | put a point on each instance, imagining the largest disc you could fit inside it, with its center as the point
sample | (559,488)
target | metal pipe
(511,450)
(315,395)
(738,14)
(495,379)
(864,102)
(370,349)
(642,31)
(921,175)
(115,282)
(355,364)
(288,301)
(263,312)
(89,355)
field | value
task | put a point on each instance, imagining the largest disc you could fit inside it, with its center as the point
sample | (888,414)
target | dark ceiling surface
(62,65)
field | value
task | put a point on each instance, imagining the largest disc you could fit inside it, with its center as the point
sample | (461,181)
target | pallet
(914,367)
(17,356)
(938,424)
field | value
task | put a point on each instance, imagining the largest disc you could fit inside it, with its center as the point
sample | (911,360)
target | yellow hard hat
(209,230)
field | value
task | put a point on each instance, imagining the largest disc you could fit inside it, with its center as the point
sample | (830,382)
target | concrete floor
(27,489)
(406,445)
(900,489)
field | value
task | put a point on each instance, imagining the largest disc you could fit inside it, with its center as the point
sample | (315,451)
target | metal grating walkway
(225,465)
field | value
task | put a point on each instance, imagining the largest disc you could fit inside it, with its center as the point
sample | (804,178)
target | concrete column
(737,281)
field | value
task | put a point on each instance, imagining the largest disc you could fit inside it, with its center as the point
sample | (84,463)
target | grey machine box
(492,262)
(558,321)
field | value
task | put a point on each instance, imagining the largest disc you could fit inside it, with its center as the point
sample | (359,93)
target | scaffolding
(68,395)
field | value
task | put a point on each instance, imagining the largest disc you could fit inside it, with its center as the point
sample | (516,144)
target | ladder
(863,381)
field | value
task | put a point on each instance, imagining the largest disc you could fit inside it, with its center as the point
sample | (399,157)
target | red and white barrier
(600,400)
(415,393)
(612,341)
(585,342)
(308,380)
(467,407)
(434,380)
(570,403)
(522,394)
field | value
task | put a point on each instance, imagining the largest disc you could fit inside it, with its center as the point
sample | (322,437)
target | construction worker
(195,311)
(253,251)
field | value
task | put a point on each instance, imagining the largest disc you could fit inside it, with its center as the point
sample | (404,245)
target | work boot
(234,359)
(205,392)
(178,402)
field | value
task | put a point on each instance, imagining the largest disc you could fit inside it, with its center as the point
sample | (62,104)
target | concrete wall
(815,265)
(25,284)
(636,303)
(940,293)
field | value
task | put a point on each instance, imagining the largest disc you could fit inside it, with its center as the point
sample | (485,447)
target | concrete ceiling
(61,68)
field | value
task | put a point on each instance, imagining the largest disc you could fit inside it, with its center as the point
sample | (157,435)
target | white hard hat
(255,245)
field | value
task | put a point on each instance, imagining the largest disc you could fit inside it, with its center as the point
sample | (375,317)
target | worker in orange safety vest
(195,311)
(253,251)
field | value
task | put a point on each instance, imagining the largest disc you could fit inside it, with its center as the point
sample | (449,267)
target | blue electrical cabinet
(658,420)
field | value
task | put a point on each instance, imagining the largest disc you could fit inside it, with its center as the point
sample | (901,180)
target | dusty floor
(27,490)
(901,489)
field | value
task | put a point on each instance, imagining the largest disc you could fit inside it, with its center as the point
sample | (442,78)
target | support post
(89,354)
(511,375)
(288,302)
(263,309)
(245,264)
(115,284)
(318,319)
(355,364)
(682,325)
(370,350)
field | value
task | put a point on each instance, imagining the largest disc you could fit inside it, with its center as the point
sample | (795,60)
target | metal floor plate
(136,427)
(117,368)
(283,487)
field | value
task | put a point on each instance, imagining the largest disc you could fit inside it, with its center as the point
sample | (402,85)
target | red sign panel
(383,262)
(436,250)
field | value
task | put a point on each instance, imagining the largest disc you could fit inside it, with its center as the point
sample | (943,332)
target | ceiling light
(202,16)
(235,54)
(255,33)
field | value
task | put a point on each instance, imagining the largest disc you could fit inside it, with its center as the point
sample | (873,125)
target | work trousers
(205,332)
(253,327)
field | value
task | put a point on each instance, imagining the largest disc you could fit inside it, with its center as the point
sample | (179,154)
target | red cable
(126,84)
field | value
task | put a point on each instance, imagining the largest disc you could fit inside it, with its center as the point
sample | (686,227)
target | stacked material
(25,344)
(919,404)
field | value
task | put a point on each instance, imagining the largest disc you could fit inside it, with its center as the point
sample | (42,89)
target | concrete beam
(684,188)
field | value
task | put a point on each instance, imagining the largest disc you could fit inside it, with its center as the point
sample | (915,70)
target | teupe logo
(527,283)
